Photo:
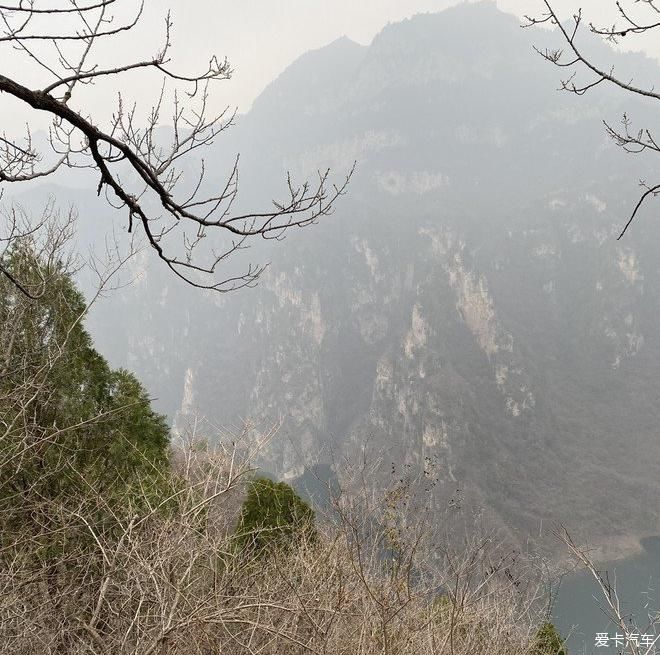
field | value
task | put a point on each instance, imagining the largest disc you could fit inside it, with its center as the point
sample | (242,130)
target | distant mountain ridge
(468,303)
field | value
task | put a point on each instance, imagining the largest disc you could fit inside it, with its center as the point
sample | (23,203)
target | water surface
(579,606)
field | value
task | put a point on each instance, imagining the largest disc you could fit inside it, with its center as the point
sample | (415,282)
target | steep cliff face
(467,304)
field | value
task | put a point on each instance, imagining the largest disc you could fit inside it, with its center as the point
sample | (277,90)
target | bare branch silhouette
(636,17)
(136,171)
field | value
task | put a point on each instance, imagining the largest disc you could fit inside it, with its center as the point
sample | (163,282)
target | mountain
(467,306)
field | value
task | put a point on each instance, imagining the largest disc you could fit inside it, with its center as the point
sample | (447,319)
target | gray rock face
(467,303)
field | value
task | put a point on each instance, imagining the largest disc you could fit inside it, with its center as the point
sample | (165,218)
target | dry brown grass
(171,580)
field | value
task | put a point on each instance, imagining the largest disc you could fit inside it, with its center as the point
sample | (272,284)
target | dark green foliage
(72,427)
(274,516)
(548,641)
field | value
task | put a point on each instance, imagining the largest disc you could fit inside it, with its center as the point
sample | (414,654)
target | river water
(578,610)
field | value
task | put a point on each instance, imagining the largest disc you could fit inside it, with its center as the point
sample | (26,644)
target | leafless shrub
(168,578)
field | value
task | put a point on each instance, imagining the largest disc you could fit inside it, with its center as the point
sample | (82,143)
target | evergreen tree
(274,516)
(548,641)
(70,425)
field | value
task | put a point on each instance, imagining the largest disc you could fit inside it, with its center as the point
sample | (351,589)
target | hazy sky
(260,38)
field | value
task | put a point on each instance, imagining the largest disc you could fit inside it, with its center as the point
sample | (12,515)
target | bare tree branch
(136,171)
(630,26)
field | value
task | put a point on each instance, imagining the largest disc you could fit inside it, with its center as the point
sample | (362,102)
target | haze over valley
(468,300)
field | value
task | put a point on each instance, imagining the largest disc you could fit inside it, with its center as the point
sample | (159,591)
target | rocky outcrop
(467,304)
